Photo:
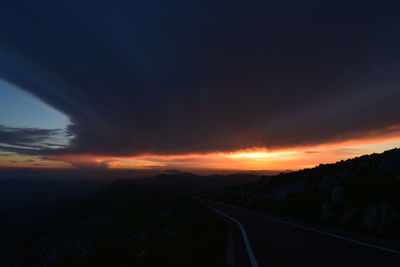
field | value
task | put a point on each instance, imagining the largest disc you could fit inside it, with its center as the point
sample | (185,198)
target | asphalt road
(271,242)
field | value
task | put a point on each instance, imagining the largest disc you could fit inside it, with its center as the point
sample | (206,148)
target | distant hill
(20,188)
(20,191)
(185,182)
(360,195)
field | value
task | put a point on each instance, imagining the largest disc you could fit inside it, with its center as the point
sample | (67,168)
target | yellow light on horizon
(259,155)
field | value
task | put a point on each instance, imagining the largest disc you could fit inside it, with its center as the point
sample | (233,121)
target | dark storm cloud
(173,77)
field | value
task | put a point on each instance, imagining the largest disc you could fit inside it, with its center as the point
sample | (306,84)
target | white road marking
(253,260)
(311,229)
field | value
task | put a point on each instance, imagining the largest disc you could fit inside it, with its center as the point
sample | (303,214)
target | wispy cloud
(31,140)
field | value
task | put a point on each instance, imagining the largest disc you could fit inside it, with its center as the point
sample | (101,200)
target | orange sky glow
(256,159)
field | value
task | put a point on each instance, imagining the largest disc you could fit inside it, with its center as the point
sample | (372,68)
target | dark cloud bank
(172,77)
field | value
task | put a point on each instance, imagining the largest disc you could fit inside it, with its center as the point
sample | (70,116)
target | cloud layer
(31,140)
(172,77)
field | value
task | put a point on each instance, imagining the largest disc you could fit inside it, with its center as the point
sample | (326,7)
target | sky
(22,110)
(232,85)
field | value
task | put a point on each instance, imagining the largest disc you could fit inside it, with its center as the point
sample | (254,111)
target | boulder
(293,189)
(334,179)
(327,182)
(327,212)
(338,195)
(349,213)
(369,217)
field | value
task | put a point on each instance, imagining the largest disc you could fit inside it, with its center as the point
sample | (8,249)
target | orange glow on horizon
(259,159)
(243,160)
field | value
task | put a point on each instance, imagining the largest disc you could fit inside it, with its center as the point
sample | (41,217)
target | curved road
(269,241)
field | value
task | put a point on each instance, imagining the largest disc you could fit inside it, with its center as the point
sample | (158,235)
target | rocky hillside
(361,195)
(121,225)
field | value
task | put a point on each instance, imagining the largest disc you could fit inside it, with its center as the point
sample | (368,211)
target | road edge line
(250,252)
